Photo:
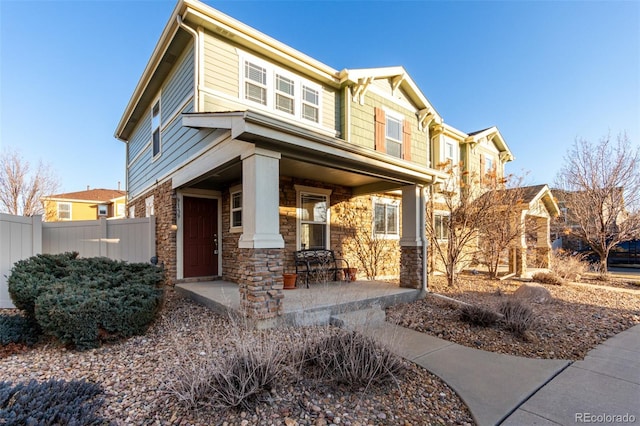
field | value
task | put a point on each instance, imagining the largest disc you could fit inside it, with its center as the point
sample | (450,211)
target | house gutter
(196,59)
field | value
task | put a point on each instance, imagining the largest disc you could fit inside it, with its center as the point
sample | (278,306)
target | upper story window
(155,128)
(449,152)
(279,90)
(285,94)
(255,83)
(310,104)
(64,211)
(386,218)
(488,164)
(103,210)
(394,136)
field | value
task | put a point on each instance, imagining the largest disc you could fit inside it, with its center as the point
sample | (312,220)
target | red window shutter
(406,140)
(380,130)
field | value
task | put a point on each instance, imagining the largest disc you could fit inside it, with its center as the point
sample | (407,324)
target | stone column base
(261,282)
(411,267)
(543,257)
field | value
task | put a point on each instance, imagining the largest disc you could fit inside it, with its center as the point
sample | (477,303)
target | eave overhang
(197,14)
(301,143)
(492,134)
(360,80)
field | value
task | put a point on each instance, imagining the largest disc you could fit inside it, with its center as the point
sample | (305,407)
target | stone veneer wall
(261,282)
(411,267)
(164,205)
(341,198)
(231,268)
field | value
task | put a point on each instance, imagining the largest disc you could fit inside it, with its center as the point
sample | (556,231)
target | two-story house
(91,204)
(247,150)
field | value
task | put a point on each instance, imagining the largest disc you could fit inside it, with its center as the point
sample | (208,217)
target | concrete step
(370,317)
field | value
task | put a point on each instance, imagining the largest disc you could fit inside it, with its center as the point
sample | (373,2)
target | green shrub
(30,277)
(84,301)
(478,315)
(18,329)
(54,402)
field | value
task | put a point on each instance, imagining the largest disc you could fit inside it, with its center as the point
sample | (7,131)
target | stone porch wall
(164,205)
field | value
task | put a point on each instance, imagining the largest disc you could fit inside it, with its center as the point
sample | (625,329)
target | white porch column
(260,200)
(412,218)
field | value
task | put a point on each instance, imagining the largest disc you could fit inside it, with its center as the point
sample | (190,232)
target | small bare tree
(601,186)
(501,225)
(454,239)
(483,220)
(366,245)
(21,189)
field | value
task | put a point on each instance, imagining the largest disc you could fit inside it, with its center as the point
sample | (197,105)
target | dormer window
(280,91)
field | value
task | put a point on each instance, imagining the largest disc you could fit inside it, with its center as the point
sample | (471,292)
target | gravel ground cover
(135,374)
(574,322)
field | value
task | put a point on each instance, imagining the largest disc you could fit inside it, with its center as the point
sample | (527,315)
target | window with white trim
(155,128)
(120,210)
(441,226)
(394,136)
(236,209)
(488,164)
(132,212)
(386,218)
(313,218)
(279,90)
(449,152)
(103,210)
(310,104)
(255,86)
(285,94)
(149,207)
(64,211)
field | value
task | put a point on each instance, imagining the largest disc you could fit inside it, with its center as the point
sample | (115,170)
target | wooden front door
(200,237)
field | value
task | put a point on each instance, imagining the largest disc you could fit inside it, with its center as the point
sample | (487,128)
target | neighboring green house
(247,150)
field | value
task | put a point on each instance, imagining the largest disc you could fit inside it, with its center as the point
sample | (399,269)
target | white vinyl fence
(131,240)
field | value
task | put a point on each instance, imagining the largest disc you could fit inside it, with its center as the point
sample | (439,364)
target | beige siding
(222,75)
(221,66)
(362,126)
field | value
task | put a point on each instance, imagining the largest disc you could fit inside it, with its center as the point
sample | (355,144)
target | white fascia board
(216,156)
(241,33)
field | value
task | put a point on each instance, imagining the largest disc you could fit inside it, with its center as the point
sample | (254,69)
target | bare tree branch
(601,186)
(22,189)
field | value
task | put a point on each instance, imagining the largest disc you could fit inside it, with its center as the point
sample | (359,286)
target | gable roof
(91,195)
(492,134)
(362,77)
(533,194)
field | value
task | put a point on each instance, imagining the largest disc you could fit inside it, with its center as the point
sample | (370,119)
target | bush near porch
(83,301)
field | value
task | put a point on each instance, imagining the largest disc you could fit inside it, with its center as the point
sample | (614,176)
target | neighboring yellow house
(91,204)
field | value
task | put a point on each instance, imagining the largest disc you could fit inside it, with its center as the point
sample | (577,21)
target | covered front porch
(316,305)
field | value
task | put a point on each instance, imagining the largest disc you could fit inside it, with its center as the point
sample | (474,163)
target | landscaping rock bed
(135,374)
(577,319)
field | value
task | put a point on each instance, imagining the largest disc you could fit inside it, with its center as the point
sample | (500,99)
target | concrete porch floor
(304,306)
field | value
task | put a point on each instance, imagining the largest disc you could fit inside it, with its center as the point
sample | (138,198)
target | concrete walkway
(604,388)
(492,385)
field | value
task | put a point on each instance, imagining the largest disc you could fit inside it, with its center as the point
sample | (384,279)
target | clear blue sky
(544,72)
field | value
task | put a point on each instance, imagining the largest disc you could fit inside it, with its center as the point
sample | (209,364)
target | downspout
(196,58)
(423,235)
